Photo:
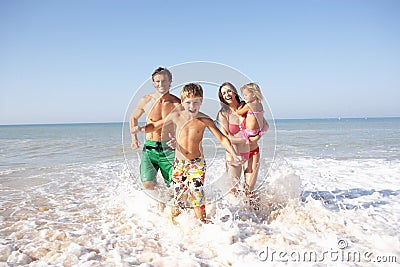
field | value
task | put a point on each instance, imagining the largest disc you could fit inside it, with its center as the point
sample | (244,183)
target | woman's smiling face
(228,94)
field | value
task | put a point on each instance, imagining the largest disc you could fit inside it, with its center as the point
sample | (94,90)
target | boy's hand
(255,138)
(236,160)
(171,143)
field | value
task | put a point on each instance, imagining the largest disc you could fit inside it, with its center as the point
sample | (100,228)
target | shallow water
(68,198)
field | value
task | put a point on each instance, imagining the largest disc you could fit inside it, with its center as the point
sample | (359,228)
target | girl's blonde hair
(253,88)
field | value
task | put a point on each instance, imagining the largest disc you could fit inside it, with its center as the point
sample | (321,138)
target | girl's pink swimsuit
(241,130)
(247,133)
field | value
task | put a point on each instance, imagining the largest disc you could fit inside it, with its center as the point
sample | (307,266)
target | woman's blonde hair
(253,88)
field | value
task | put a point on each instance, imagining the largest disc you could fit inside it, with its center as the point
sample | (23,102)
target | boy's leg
(200,213)
(177,174)
(196,177)
(175,211)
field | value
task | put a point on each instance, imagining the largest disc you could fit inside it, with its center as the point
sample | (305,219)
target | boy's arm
(221,138)
(152,126)
(149,127)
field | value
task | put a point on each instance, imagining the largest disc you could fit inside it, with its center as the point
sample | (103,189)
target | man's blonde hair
(253,88)
(191,90)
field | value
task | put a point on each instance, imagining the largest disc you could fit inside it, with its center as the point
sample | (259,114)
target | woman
(230,125)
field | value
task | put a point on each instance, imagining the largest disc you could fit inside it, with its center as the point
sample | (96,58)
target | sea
(328,194)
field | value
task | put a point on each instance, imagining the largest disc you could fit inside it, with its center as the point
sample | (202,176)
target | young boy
(189,167)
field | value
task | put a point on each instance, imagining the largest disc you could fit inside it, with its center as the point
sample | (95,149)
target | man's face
(162,83)
(192,105)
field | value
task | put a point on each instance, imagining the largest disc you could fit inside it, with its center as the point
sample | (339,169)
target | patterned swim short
(188,180)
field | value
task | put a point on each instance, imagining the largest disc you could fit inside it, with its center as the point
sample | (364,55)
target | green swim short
(156,156)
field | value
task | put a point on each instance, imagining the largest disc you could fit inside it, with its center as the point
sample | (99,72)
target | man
(156,153)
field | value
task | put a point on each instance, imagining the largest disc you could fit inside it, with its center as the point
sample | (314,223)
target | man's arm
(133,122)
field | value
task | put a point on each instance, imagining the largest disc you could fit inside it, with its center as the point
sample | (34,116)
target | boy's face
(162,83)
(192,105)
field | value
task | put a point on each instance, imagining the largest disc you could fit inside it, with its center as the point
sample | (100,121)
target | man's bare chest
(158,110)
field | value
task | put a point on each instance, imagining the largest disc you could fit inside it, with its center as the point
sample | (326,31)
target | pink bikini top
(235,128)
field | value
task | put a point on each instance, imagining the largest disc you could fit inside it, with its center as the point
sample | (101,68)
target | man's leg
(165,163)
(149,185)
(148,170)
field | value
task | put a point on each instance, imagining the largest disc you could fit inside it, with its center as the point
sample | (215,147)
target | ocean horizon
(276,120)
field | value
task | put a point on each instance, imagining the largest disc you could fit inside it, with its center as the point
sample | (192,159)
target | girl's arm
(242,110)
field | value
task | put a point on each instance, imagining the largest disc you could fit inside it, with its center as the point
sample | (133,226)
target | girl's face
(248,95)
(228,94)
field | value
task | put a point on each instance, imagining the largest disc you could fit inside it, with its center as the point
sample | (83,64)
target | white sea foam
(90,215)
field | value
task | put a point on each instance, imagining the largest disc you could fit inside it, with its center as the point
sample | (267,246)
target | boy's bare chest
(193,129)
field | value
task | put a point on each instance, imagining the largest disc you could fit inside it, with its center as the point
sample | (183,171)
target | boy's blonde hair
(254,88)
(191,90)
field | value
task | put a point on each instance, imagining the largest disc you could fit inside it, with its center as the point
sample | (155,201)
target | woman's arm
(264,129)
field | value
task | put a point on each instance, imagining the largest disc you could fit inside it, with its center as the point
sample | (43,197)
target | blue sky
(82,61)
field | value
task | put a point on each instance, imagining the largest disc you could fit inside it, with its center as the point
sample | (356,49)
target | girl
(253,123)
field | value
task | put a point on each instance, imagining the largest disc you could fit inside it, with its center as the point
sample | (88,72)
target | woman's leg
(251,172)
(234,173)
